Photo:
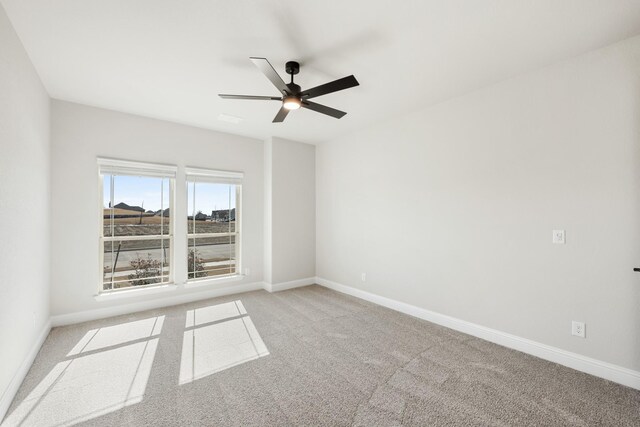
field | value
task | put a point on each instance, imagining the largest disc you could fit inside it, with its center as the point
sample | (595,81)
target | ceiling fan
(293,97)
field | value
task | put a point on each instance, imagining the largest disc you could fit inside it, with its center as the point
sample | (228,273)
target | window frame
(211,176)
(116,167)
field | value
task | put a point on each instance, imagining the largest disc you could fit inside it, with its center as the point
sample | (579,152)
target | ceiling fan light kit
(291,102)
(293,97)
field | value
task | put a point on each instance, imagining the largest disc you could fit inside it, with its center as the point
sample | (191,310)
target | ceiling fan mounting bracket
(292,67)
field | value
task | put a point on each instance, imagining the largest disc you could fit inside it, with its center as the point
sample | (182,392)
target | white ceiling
(169,59)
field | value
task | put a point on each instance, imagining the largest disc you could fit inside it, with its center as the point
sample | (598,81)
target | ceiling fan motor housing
(294,88)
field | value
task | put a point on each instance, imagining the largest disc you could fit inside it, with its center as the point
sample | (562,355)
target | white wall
(268,210)
(451,208)
(290,219)
(24,206)
(79,135)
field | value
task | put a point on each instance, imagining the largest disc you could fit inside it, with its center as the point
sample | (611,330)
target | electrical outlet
(578,329)
(364,277)
(247,272)
(558,237)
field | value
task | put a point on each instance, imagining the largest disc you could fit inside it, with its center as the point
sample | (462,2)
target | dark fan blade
(256,97)
(334,86)
(323,109)
(268,70)
(281,115)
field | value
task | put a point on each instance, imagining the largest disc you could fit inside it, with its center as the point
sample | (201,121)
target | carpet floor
(307,356)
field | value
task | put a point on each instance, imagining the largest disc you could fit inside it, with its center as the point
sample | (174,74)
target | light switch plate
(558,237)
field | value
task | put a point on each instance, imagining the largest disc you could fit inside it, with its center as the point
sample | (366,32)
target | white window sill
(132,293)
(198,283)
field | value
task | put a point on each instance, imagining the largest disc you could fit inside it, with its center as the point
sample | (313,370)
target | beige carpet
(308,356)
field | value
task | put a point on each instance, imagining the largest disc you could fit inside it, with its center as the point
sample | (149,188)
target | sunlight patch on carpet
(103,373)
(217,338)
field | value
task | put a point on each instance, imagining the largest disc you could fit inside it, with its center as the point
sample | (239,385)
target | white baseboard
(18,377)
(276,287)
(117,310)
(576,361)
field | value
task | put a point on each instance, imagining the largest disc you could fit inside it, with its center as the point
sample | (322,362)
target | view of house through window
(136,230)
(213,228)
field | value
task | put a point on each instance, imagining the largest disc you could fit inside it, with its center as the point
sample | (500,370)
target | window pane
(190,207)
(108,266)
(139,206)
(165,213)
(212,256)
(106,204)
(211,208)
(135,263)
(136,207)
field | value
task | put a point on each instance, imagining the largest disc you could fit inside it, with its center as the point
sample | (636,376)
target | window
(214,223)
(136,239)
